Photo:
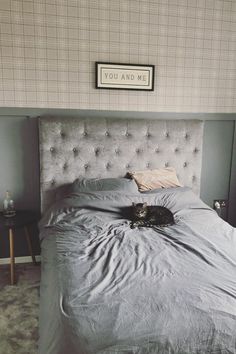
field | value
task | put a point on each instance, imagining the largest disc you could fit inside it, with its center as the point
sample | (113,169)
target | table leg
(12,256)
(30,245)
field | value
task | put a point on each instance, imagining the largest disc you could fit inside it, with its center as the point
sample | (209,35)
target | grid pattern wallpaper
(48,50)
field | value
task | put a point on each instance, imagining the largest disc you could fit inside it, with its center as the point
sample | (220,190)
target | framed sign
(124,76)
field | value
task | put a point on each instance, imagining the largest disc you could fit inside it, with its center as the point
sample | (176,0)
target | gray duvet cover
(107,288)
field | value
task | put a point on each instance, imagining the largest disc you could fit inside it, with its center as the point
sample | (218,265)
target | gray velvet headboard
(71,147)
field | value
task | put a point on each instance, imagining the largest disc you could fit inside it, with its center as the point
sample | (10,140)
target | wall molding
(92,113)
(25,259)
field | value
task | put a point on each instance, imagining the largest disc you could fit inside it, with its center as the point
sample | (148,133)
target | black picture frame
(117,76)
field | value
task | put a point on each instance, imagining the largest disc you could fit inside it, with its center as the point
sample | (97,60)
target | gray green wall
(19,158)
(216,163)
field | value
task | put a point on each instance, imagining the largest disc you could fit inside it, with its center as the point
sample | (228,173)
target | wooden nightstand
(22,219)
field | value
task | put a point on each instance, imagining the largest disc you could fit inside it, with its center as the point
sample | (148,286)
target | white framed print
(124,76)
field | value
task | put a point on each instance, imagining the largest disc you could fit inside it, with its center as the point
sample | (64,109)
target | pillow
(104,184)
(153,179)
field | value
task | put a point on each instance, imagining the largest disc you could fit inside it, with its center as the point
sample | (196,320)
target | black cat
(148,216)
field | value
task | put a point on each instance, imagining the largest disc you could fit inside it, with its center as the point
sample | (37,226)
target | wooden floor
(25,273)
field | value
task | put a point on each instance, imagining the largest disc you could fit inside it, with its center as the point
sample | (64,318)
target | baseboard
(25,259)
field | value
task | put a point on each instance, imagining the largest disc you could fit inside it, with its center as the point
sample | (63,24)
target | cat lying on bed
(148,216)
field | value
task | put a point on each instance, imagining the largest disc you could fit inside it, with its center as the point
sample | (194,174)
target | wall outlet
(220,203)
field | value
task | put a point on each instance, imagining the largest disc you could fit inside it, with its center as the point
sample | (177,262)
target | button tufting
(85,133)
(127,134)
(186,136)
(107,134)
(117,151)
(148,164)
(75,150)
(52,149)
(65,166)
(148,135)
(185,164)
(63,134)
(176,149)
(138,151)
(86,166)
(96,151)
(194,178)
(157,150)
(195,150)
(53,181)
(127,165)
(167,135)
(166,164)
(108,166)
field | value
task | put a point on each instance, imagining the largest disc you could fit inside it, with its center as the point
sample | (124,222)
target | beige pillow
(158,178)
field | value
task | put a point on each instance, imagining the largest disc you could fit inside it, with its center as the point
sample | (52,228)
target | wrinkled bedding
(141,291)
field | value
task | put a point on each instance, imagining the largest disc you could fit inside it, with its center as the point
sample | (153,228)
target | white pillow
(153,179)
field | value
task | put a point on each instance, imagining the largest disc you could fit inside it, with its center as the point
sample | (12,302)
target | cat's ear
(145,204)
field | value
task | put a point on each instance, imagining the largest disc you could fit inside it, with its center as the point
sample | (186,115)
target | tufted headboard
(101,147)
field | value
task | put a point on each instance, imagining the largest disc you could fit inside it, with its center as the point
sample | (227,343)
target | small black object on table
(22,219)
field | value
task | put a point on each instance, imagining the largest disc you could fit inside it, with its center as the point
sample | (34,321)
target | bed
(107,288)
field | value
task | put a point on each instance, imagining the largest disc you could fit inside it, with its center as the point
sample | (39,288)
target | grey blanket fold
(141,291)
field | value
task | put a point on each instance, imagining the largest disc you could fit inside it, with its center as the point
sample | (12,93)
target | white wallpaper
(48,50)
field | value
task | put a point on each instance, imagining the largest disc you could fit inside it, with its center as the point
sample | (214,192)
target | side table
(22,219)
